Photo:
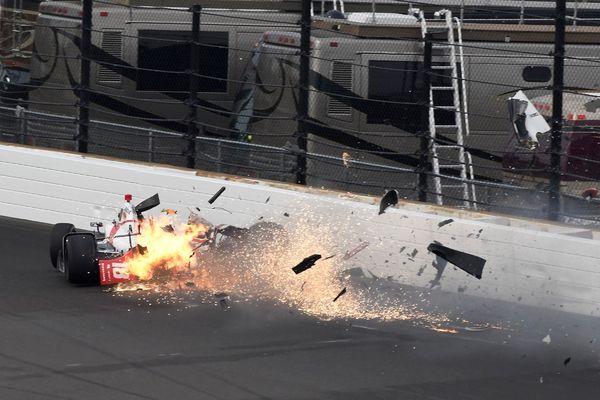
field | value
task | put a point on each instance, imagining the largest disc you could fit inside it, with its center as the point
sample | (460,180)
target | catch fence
(326,97)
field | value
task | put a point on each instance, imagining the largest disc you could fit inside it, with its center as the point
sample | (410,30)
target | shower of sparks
(259,267)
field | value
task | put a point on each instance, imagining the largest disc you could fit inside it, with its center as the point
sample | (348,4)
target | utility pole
(554,200)
(192,117)
(83,126)
(304,81)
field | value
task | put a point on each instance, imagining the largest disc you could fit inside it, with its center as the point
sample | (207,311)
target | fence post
(192,117)
(424,147)
(20,114)
(81,139)
(151,146)
(304,84)
(554,200)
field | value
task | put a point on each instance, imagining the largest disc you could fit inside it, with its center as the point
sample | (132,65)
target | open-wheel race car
(101,257)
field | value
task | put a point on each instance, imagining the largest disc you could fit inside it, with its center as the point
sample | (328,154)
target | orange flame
(165,251)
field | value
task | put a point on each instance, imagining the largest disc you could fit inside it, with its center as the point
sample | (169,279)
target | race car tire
(56,240)
(81,262)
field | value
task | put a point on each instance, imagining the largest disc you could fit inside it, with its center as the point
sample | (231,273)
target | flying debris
(147,204)
(547,339)
(168,228)
(221,208)
(351,253)
(340,294)
(216,195)
(388,199)
(469,263)
(142,249)
(169,211)
(567,360)
(307,263)
(346,159)
(445,222)
(267,200)
(223,301)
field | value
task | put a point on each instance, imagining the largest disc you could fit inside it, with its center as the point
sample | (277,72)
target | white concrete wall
(532,263)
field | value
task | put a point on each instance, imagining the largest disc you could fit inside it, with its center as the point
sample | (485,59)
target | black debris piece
(469,263)
(193,253)
(307,263)
(233,231)
(221,208)
(327,258)
(224,305)
(567,360)
(216,195)
(168,228)
(198,208)
(414,253)
(223,301)
(267,200)
(388,199)
(302,287)
(147,204)
(142,249)
(445,222)
(340,294)
(190,284)
(286,214)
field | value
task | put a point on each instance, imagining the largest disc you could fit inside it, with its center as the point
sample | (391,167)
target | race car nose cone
(128,197)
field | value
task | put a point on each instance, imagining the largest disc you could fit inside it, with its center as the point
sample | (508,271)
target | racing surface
(59,341)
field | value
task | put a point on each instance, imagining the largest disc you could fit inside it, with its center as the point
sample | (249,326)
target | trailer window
(395,85)
(164,58)
(537,74)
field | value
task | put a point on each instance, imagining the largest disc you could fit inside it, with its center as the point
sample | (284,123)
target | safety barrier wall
(528,262)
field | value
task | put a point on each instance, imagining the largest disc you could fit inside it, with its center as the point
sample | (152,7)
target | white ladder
(446,157)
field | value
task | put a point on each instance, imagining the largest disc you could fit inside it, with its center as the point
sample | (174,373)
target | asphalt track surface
(58,341)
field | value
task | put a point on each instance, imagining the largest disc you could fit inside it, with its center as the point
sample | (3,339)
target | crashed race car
(101,258)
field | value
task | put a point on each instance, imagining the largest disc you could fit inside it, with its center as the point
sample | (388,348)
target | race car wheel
(56,240)
(81,262)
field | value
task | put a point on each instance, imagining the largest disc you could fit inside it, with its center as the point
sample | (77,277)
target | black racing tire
(81,261)
(56,240)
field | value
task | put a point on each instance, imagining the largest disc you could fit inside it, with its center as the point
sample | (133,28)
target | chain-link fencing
(402,95)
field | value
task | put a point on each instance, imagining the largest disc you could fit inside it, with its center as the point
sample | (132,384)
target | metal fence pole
(304,84)
(81,139)
(424,147)
(20,113)
(192,117)
(151,146)
(554,201)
